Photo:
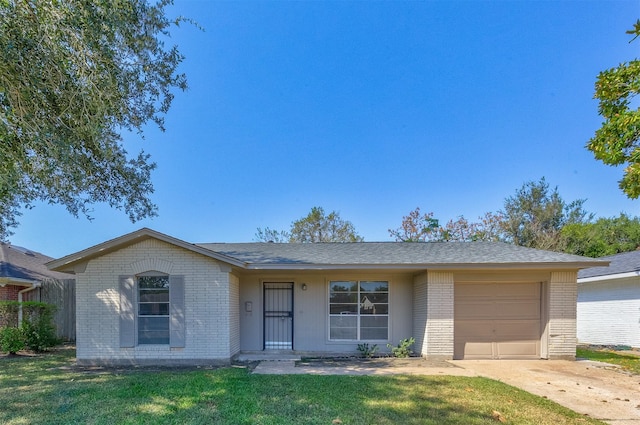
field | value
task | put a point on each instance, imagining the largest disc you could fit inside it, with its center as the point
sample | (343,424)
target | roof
(621,265)
(350,255)
(21,265)
(393,254)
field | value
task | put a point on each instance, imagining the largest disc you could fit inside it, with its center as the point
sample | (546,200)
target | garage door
(497,320)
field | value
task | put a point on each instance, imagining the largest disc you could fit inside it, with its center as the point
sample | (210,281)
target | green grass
(629,363)
(48,389)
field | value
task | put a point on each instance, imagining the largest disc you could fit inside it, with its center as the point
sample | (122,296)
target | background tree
(315,227)
(270,235)
(605,236)
(73,75)
(416,227)
(535,216)
(616,142)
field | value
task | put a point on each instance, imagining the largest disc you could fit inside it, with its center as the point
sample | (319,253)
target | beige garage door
(497,320)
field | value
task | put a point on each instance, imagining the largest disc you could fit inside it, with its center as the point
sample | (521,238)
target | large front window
(358,310)
(153,310)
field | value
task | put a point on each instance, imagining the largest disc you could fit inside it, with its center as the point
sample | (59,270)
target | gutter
(35,285)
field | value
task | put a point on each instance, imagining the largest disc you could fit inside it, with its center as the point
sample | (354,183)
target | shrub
(37,326)
(367,350)
(9,313)
(403,349)
(11,340)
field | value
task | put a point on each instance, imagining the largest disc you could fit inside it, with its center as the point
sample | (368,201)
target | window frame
(138,316)
(359,306)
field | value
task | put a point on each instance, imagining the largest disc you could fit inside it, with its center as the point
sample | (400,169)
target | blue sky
(369,109)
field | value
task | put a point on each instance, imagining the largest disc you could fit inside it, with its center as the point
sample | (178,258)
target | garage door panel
(497,320)
(516,349)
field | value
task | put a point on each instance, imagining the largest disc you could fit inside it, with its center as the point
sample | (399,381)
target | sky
(369,109)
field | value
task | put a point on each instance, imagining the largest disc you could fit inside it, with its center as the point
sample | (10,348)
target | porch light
(304,286)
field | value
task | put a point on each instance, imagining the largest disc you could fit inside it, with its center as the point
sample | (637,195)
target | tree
(535,216)
(605,236)
(617,141)
(489,228)
(73,75)
(416,227)
(315,227)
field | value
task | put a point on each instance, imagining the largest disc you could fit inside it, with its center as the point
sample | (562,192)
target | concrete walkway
(595,389)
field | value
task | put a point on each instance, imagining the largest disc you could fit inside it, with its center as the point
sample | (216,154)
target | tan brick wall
(440,303)
(562,315)
(207,296)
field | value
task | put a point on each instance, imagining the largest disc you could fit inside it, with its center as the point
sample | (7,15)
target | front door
(278,316)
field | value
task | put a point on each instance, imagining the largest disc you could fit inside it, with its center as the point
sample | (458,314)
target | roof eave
(65,264)
(608,277)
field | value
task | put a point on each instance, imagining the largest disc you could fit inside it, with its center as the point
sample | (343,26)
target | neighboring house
(23,273)
(609,302)
(146,297)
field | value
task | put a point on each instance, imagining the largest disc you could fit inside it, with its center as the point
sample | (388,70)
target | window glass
(358,310)
(153,310)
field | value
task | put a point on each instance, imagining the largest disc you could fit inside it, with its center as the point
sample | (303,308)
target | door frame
(285,285)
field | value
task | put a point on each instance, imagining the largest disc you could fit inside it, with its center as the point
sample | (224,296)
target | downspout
(24,291)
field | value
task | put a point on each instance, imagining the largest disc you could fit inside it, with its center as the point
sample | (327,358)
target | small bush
(403,349)
(37,326)
(367,350)
(11,340)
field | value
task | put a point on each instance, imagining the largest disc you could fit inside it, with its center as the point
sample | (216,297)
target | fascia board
(608,277)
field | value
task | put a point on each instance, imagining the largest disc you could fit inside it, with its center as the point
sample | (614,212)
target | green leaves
(73,75)
(616,142)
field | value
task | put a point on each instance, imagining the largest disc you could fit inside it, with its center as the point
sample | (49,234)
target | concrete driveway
(591,388)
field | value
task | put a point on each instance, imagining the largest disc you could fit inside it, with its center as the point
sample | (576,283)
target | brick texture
(562,315)
(209,320)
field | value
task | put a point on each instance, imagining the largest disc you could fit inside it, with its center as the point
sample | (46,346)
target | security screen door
(278,316)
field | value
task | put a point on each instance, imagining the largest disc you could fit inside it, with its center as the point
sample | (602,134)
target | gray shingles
(389,253)
(20,263)
(626,262)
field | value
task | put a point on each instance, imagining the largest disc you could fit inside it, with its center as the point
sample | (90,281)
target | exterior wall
(234,315)
(311,309)
(206,298)
(563,292)
(10,292)
(609,312)
(440,307)
(420,313)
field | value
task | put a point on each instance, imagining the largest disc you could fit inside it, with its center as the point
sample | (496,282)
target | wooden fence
(62,294)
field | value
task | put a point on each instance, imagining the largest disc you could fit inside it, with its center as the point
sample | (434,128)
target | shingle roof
(378,255)
(20,263)
(391,253)
(626,262)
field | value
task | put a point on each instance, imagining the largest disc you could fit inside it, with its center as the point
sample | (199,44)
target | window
(358,310)
(153,310)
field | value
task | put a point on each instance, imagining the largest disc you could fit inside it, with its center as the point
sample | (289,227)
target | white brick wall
(562,315)
(207,306)
(420,313)
(440,303)
(609,312)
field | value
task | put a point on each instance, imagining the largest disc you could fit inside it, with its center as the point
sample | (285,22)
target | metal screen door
(278,316)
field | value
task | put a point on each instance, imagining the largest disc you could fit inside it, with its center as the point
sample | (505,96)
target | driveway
(595,389)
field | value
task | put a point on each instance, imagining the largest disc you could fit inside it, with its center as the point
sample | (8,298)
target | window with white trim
(358,310)
(153,310)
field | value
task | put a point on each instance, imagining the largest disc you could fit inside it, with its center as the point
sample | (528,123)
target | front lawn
(49,389)
(628,362)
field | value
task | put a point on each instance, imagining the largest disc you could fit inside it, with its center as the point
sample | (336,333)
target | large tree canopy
(617,141)
(535,215)
(73,75)
(315,227)
(605,236)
